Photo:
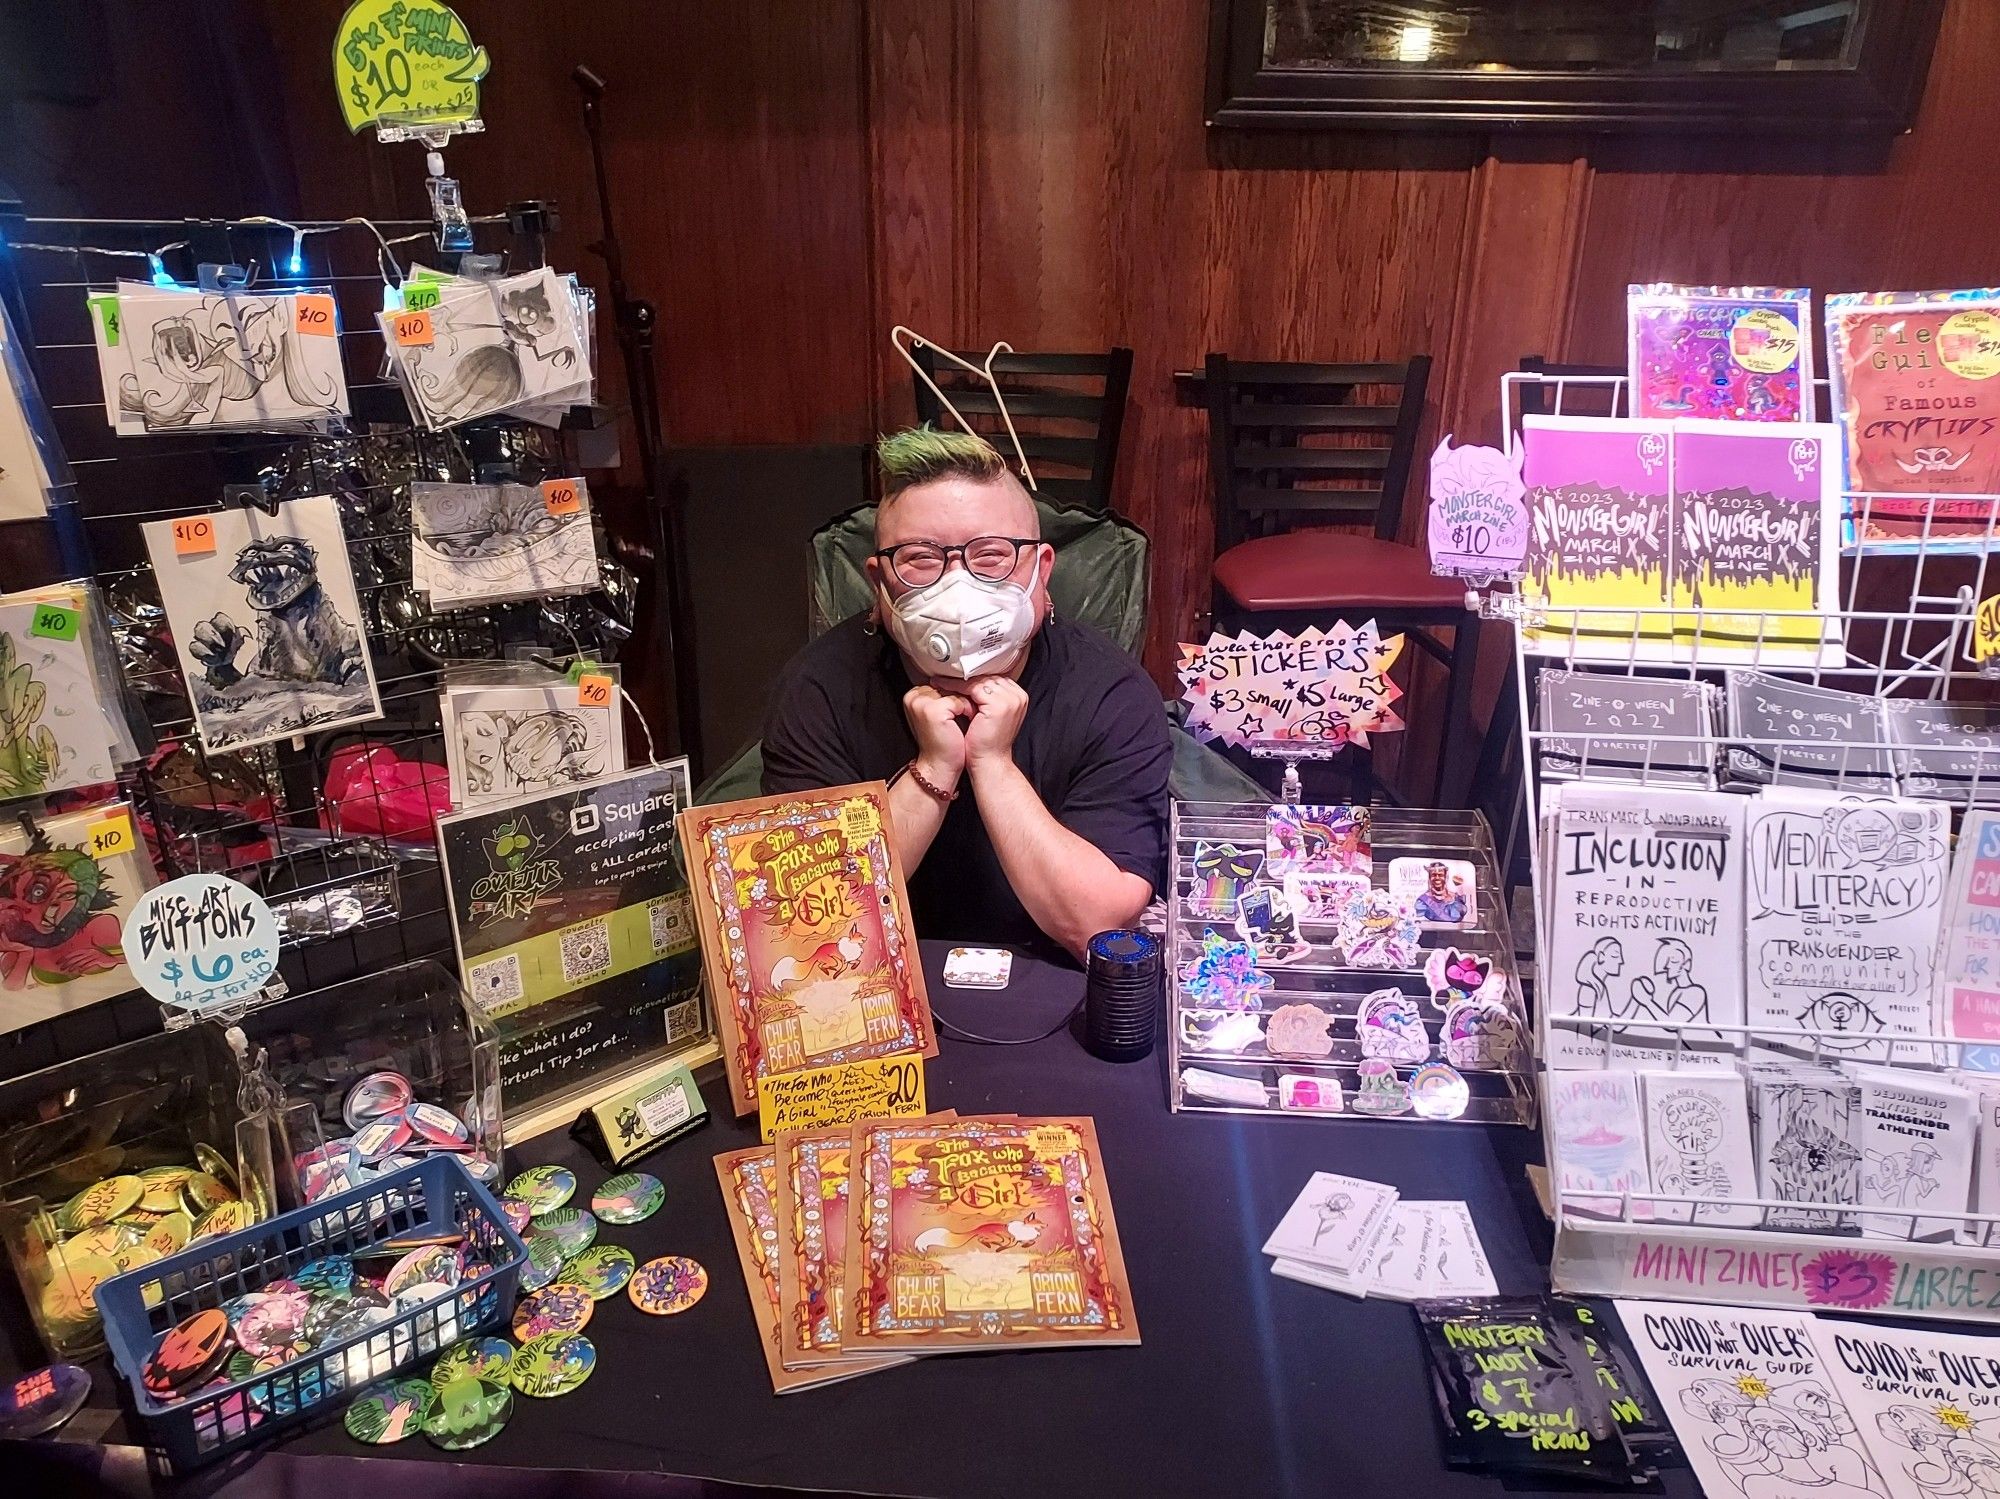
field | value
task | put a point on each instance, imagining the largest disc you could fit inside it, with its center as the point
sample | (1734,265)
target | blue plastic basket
(137,1307)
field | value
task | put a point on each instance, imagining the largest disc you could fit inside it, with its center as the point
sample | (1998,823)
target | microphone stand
(637,320)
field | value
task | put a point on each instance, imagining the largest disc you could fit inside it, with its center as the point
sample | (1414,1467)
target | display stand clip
(251,497)
(220,280)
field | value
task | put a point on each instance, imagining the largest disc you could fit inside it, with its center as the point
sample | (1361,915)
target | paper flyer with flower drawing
(806,933)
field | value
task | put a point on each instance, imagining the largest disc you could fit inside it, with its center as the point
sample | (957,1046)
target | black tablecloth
(1246,1384)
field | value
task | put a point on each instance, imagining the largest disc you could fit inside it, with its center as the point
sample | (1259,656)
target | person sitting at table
(1026,755)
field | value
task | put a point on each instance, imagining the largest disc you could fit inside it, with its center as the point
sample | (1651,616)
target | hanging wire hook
(917,341)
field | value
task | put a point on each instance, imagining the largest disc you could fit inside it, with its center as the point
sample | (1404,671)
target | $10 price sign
(1479,512)
(1320,687)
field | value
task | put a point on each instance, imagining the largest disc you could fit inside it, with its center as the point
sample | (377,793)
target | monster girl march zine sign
(1646,923)
(1479,513)
(1598,495)
(1755,545)
(1844,899)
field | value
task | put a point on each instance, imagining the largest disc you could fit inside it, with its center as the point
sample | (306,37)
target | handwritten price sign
(1326,688)
(562,496)
(412,330)
(55,622)
(312,315)
(111,836)
(1479,512)
(593,692)
(827,1097)
(409,61)
(193,535)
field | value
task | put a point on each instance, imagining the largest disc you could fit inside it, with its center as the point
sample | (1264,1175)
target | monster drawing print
(267,625)
(494,346)
(61,913)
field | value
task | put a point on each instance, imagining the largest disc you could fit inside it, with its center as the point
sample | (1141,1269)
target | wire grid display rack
(353,877)
(1909,588)
(1496,1095)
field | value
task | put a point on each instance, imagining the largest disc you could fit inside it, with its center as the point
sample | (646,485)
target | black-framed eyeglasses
(917,564)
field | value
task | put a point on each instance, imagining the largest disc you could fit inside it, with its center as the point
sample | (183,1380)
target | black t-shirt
(1093,745)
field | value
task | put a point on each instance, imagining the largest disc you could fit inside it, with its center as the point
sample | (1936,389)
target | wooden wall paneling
(918,179)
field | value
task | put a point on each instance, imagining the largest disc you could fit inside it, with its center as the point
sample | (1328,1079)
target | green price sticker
(105,305)
(53,622)
(420,297)
(578,669)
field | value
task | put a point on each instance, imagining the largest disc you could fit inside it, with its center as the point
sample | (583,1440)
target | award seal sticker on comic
(602,1271)
(390,1411)
(553,1364)
(631,1198)
(543,1188)
(667,1285)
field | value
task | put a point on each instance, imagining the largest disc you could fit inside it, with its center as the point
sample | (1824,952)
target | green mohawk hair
(919,455)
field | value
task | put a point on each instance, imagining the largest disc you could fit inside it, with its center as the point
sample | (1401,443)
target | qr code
(669,919)
(497,982)
(586,951)
(684,1019)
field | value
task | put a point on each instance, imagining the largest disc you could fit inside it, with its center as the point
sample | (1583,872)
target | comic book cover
(749,1181)
(805,927)
(982,1233)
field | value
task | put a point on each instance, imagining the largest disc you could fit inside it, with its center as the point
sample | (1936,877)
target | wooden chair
(1293,444)
(1069,434)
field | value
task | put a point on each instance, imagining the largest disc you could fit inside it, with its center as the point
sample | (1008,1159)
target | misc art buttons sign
(202,942)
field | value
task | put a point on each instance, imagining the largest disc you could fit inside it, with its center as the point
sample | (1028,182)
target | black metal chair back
(1311,444)
(1069,410)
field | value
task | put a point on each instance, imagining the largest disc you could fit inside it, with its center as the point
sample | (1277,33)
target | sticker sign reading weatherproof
(201,942)
(1322,689)
(1479,512)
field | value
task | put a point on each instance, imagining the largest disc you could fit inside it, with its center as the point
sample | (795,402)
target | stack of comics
(865,1247)
(466,347)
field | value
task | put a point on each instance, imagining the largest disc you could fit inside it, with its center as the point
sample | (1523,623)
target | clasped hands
(991,709)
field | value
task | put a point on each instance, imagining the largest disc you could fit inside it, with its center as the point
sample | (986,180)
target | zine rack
(1250,1074)
(1905,611)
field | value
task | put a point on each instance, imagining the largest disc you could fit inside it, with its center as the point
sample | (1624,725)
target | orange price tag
(562,496)
(312,315)
(412,329)
(593,692)
(193,534)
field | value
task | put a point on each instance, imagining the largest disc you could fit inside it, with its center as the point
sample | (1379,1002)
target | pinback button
(468,1412)
(543,1188)
(544,1262)
(189,1354)
(379,1095)
(390,1411)
(490,1359)
(601,1270)
(40,1402)
(630,1198)
(572,1228)
(667,1285)
(562,1307)
(553,1364)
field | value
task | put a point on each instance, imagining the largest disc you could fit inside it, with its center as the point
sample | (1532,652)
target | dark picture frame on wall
(1820,67)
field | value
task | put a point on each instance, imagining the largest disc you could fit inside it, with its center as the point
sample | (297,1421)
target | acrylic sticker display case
(147,1103)
(414,1020)
(1899,624)
(1255,1081)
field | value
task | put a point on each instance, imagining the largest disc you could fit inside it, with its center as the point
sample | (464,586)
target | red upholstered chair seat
(1332,570)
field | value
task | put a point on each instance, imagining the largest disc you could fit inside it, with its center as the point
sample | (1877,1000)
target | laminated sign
(1325,688)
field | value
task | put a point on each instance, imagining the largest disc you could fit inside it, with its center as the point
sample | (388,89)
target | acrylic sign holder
(1907,608)
(1502,1095)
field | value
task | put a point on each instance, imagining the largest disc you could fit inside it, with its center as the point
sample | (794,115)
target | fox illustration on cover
(805,924)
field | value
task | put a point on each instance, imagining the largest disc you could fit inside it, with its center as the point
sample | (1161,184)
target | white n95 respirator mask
(961,627)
